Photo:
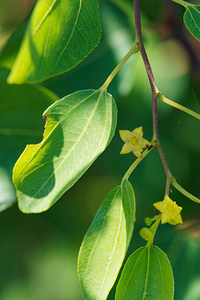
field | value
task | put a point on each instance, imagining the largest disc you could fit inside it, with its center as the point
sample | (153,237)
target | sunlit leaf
(60,34)
(147,275)
(78,129)
(192,20)
(117,39)
(20,123)
(106,241)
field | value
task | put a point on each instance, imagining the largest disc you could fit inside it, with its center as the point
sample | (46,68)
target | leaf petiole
(183,191)
(133,50)
(137,161)
(154,228)
(178,106)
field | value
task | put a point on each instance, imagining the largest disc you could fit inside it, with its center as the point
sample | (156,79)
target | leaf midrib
(75,144)
(35,30)
(97,239)
(42,143)
(60,157)
(114,246)
(161,274)
(147,272)
(195,23)
(70,37)
(136,262)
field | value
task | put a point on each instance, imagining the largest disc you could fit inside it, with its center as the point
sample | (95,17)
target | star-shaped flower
(170,211)
(134,141)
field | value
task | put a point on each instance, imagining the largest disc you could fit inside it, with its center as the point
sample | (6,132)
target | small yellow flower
(170,211)
(134,141)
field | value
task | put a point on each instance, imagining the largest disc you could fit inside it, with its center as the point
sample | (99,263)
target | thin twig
(154,90)
(132,51)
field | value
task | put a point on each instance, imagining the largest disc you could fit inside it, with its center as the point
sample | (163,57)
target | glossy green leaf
(105,243)
(192,20)
(20,123)
(60,34)
(147,275)
(78,129)
(117,39)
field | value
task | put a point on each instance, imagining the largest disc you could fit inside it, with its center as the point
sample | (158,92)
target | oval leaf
(147,275)
(192,20)
(78,129)
(20,123)
(105,243)
(61,33)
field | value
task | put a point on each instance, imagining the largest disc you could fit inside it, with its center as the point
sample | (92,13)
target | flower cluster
(170,211)
(134,141)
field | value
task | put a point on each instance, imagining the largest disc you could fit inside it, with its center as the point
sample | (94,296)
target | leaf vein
(147,274)
(161,274)
(70,37)
(91,253)
(73,147)
(50,133)
(137,260)
(114,246)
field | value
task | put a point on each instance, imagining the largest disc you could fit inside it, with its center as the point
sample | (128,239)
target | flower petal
(145,143)
(125,135)
(138,131)
(170,211)
(165,218)
(159,205)
(138,152)
(126,149)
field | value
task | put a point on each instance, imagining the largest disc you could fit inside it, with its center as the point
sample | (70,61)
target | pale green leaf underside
(60,34)
(78,129)
(147,275)
(20,123)
(105,243)
(192,20)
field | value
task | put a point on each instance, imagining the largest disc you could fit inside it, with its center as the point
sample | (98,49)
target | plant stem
(154,90)
(133,50)
(178,106)
(147,66)
(136,163)
(154,228)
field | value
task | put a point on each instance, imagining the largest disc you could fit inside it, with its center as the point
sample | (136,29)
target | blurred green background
(38,253)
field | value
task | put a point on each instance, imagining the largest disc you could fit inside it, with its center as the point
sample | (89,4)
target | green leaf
(60,34)
(129,207)
(192,20)
(117,39)
(105,243)
(20,123)
(147,275)
(78,129)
